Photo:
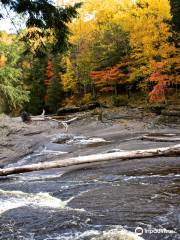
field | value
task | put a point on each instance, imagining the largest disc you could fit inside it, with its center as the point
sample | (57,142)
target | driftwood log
(159,139)
(155,138)
(166,151)
(43,117)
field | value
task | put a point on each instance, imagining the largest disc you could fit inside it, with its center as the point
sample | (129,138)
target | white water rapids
(15,199)
(89,203)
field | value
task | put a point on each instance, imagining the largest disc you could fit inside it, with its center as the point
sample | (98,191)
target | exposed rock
(171,113)
(74,109)
(18,139)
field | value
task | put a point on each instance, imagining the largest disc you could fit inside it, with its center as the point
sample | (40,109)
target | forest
(119,53)
(89,119)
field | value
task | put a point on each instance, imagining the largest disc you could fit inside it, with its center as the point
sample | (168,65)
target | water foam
(113,234)
(86,141)
(128,178)
(46,151)
(73,139)
(27,177)
(14,199)
(28,159)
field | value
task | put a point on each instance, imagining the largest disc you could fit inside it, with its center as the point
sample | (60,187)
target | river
(103,201)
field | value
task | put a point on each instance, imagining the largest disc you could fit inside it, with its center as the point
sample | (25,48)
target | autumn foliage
(161,80)
(126,48)
(48,81)
(157,95)
(49,73)
(107,80)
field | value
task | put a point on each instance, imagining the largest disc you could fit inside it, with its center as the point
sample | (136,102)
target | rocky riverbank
(106,200)
(18,139)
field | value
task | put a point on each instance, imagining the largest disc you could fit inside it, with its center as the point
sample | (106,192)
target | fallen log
(27,119)
(44,118)
(64,123)
(71,120)
(59,122)
(166,151)
(159,139)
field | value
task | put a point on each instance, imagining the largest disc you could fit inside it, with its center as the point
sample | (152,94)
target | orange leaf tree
(49,74)
(161,80)
(107,80)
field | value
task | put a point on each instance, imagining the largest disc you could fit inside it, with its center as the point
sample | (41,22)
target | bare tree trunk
(166,151)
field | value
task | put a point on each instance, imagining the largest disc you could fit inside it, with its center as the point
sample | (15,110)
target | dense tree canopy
(12,91)
(117,48)
(45,15)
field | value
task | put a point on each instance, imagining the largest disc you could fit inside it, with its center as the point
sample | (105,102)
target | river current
(92,202)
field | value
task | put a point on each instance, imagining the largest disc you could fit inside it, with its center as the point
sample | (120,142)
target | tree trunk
(166,151)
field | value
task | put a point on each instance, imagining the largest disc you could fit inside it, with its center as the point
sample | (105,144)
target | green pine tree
(55,95)
(37,87)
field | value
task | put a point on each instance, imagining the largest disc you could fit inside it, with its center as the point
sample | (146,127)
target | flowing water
(92,202)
